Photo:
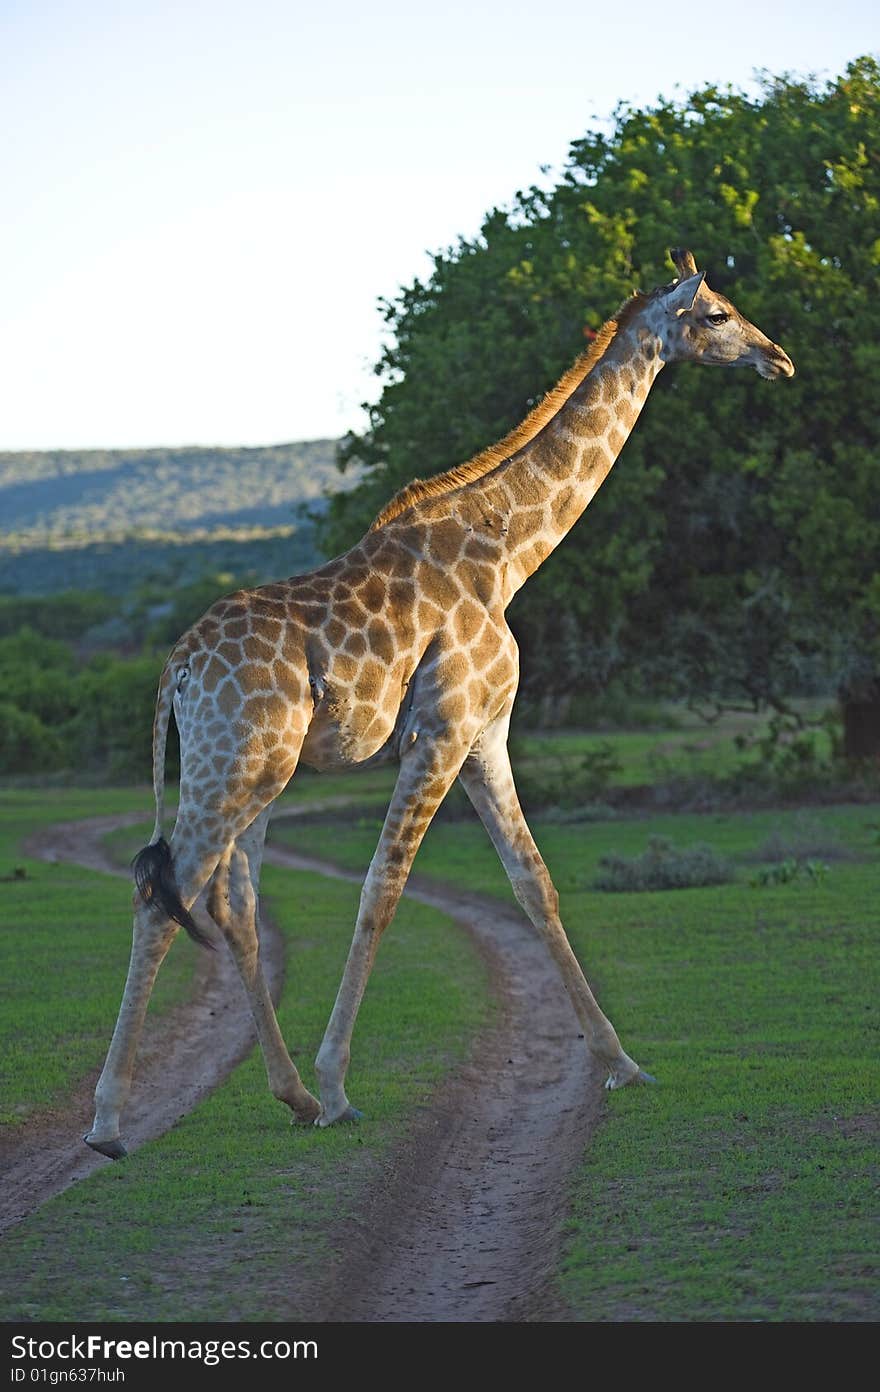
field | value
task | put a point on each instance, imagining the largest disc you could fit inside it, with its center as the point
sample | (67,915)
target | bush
(789,871)
(792,758)
(64,615)
(114,721)
(37,676)
(567,782)
(26,745)
(806,839)
(663,866)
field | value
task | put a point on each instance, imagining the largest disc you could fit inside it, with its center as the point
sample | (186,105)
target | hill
(113,518)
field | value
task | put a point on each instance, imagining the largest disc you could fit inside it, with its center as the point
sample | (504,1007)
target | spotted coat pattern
(398,649)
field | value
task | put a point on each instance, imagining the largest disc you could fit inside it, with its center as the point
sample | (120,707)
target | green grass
(460,851)
(63,955)
(234,1214)
(741,1187)
(686,751)
(687,748)
(738,1189)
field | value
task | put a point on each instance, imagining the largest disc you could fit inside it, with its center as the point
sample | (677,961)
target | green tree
(38,675)
(66,615)
(26,745)
(735,552)
(113,724)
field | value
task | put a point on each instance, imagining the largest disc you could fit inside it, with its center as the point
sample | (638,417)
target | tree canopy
(734,552)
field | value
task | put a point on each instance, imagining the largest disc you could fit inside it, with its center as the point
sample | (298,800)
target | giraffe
(398,649)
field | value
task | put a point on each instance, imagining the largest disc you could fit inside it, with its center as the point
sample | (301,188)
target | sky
(202,204)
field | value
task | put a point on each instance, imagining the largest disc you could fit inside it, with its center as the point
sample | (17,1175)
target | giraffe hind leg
(152,936)
(194,856)
(154,878)
(232,903)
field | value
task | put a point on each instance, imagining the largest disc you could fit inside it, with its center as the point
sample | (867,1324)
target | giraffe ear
(682,295)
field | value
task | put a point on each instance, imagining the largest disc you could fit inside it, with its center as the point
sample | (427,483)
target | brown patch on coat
(255,677)
(231,652)
(213,674)
(381,640)
(286,680)
(267,628)
(257,650)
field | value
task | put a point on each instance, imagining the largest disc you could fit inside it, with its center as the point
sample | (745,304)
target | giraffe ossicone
(398,649)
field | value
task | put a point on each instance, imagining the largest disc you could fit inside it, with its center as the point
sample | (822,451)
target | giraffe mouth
(772,363)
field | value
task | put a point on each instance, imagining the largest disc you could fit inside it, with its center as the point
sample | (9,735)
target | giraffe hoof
(307,1115)
(114,1150)
(350,1114)
(615,1080)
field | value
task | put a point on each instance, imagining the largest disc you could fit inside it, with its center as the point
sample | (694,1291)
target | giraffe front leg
(487,778)
(152,935)
(537,895)
(334,1055)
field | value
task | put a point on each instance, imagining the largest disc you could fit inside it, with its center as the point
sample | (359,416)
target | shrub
(26,745)
(114,721)
(663,866)
(804,839)
(565,781)
(789,871)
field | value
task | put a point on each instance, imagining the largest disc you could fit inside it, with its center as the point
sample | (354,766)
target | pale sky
(202,203)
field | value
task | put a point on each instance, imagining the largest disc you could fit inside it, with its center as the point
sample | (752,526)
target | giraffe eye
(719,317)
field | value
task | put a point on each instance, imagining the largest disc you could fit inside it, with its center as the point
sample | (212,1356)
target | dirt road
(465,1225)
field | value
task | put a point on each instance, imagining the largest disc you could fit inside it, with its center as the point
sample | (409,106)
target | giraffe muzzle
(772,362)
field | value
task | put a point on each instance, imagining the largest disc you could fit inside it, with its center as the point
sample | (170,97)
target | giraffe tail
(153,867)
(161,721)
(154,876)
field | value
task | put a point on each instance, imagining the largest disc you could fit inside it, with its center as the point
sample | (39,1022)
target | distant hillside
(98,493)
(112,518)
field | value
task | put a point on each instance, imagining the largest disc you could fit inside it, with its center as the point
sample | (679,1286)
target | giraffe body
(399,649)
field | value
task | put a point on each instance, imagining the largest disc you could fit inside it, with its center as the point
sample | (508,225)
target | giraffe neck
(536,497)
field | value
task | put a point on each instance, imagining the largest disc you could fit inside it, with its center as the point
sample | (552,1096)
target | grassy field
(63,954)
(678,760)
(741,1187)
(234,1214)
(738,1189)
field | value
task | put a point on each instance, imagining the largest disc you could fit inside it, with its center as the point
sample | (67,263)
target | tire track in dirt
(467,1225)
(466,1222)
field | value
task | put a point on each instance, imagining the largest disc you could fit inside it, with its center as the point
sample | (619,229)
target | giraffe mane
(522,434)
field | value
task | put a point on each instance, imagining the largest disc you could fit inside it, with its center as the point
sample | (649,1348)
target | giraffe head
(697,325)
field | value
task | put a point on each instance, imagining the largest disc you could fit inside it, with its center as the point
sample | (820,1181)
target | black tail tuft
(154,877)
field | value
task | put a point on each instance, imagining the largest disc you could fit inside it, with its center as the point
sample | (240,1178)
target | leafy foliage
(70,614)
(59,714)
(735,553)
(788,871)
